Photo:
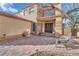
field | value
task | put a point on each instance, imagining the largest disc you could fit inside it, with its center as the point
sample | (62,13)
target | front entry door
(49,27)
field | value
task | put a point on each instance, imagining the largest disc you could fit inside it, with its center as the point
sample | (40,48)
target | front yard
(35,45)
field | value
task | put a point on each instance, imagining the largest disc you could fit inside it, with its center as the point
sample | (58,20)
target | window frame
(46,13)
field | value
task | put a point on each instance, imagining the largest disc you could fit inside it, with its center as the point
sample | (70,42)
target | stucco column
(43,27)
(58,25)
(53,31)
(37,32)
(58,22)
(38,28)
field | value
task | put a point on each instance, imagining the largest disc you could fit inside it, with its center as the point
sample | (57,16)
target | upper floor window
(31,10)
(49,13)
(44,5)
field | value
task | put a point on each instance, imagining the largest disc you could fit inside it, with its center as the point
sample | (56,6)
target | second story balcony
(52,18)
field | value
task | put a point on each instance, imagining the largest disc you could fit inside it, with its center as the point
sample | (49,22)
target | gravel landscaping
(33,40)
(30,45)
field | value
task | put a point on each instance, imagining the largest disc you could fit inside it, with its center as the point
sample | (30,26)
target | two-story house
(45,18)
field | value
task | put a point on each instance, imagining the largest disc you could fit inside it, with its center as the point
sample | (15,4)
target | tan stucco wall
(58,24)
(31,16)
(39,28)
(13,26)
(67,31)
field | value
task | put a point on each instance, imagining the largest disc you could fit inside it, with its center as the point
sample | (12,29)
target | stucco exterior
(13,26)
(58,21)
(32,16)
(38,17)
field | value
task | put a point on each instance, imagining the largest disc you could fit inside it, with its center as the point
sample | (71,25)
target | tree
(71,16)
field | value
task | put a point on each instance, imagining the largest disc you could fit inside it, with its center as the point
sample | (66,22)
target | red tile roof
(14,16)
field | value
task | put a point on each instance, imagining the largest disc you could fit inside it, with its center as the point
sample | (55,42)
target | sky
(69,6)
(13,8)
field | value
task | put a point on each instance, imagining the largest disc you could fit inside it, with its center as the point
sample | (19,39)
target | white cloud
(8,7)
(13,10)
